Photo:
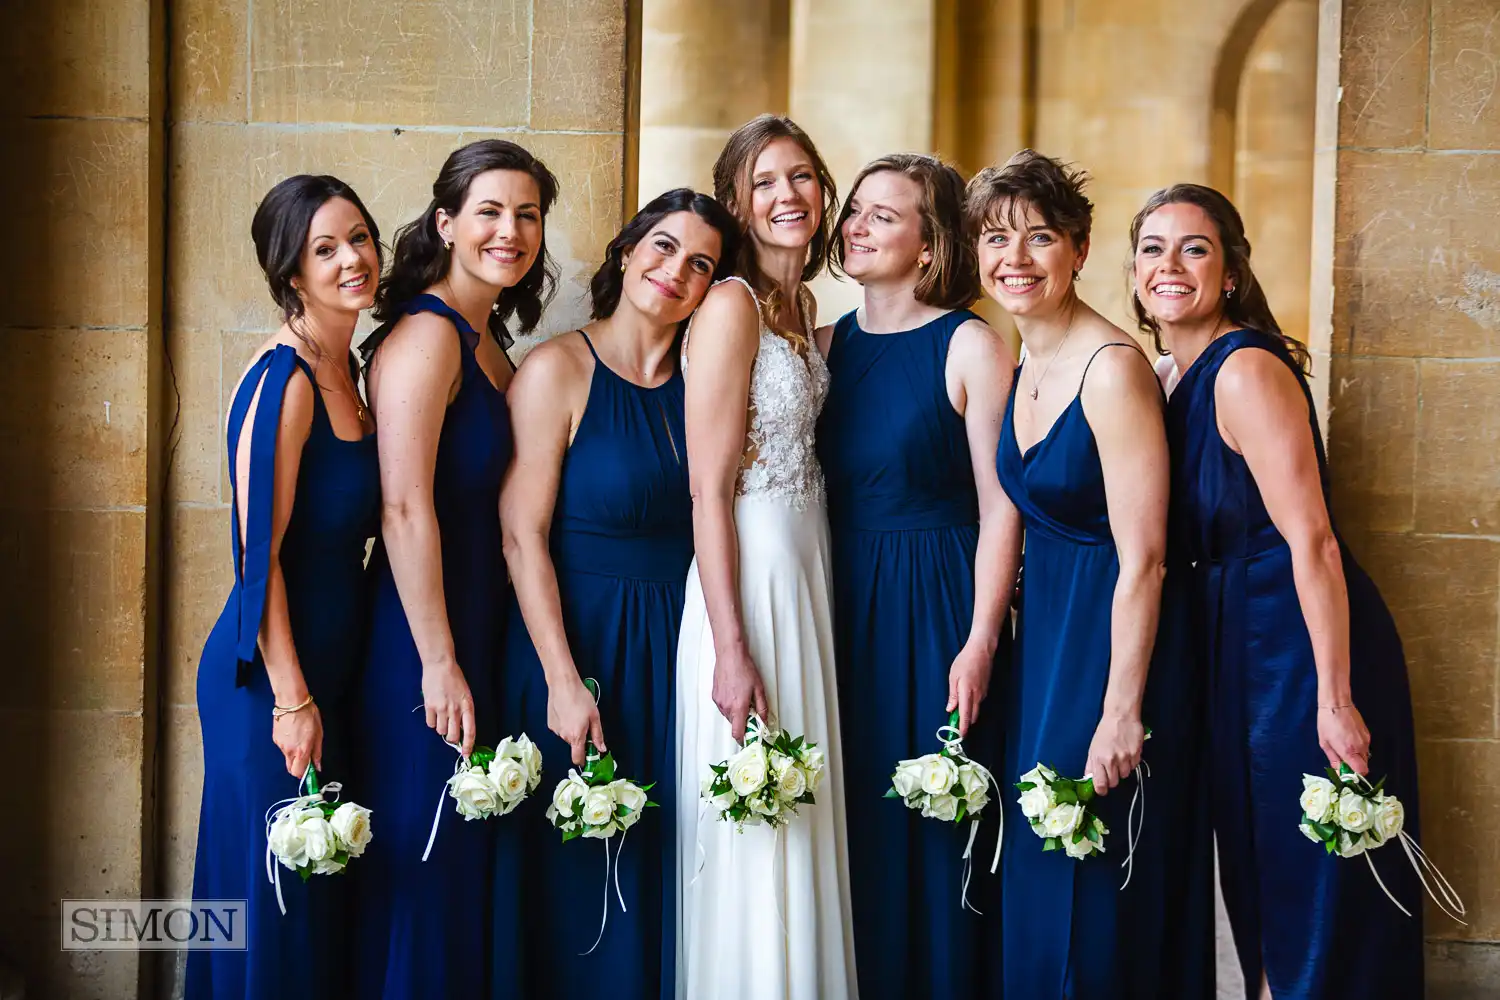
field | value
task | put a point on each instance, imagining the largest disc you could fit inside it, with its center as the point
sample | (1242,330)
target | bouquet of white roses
(1058,810)
(313,833)
(1350,817)
(772,774)
(493,782)
(596,804)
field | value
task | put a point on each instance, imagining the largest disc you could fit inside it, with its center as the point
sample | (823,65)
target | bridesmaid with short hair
(1304,660)
(1101,646)
(279,670)
(925,553)
(437,378)
(598,526)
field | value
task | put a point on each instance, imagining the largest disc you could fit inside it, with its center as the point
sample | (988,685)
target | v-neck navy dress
(1068,928)
(1321,924)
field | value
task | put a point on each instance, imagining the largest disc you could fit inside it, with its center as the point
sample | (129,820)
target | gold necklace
(1036,380)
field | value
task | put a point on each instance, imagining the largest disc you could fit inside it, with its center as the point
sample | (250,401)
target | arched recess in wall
(1228,70)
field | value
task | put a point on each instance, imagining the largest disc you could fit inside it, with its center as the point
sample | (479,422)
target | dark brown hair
(1053,188)
(609,281)
(1247,308)
(419,260)
(951,281)
(733,171)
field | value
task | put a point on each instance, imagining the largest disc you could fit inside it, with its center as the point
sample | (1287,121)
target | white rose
(629,795)
(1062,820)
(1310,833)
(907,780)
(532,755)
(287,841)
(779,763)
(791,784)
(748,770)
(352,823)
(1317,798)
(509,777)
(1037,800)
(601,832)
(1355,813)
(1348,848)
(1079,849)
(327,867)
(973,782)
(475,793)
(765,805)
(812,763)
(507,748)
(938,775)
(563,796)
(317,836)
(1391,818)
(598,806)
(941,807)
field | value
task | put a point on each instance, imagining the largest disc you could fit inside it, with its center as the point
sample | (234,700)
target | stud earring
(622,266)
(921,265)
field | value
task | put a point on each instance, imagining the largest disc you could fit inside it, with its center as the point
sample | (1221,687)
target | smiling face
(882,233)
(497,234)
(669,271)
(340,263)
(785,197)
(1024,264)
(1180,273)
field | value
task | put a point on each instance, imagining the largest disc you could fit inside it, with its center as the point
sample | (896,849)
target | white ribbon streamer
(1132,829)
(298,802)
(1450,903)
(952,742)
(604,920)
(437,818)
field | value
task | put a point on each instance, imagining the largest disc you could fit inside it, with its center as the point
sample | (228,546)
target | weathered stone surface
(1459,806)
(199,574)
(1372,442)
(1384,73)
(79,58)
(208,49)
(1458,439)
(578,65)
(1465,75)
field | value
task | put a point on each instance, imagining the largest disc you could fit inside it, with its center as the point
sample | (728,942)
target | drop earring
(447,245)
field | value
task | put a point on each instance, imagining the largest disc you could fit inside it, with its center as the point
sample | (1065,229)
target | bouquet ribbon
(437,818)
(1133,827)
(952,741)
(1451,905)
(590,757)
(302,800)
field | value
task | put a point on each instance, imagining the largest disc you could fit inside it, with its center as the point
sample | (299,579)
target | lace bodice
(786,396)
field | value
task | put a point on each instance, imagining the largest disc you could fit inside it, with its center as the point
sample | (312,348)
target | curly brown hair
(1053,188)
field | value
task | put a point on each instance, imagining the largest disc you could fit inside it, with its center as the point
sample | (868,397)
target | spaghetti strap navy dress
(1069,930)
(335,511)
(904,516)
(621,543)
(423,928)
(1319,926)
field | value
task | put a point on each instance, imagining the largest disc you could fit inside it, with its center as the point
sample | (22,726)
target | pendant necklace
(1036,380)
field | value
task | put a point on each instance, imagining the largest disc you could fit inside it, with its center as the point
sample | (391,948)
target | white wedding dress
(764,915)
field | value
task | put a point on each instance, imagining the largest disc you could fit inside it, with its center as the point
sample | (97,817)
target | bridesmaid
(305,495)
(598,529)
(475,257)
(1296,635)
(1083,455)
(925,550)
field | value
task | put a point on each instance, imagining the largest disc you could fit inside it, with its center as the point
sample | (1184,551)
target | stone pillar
(863,85)
(706,68)
(81,187)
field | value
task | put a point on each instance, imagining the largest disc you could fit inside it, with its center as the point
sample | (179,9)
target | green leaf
(571,834)
(1093,834)
(1086,792)
(647,788)
(305,871)
(719,768)
(1065,796)
(1051,844)
(1025,786)
(891,793)
(958,817)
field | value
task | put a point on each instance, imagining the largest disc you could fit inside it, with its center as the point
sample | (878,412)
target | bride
(762,914)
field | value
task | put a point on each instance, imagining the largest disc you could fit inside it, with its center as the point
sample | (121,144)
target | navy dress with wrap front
(904,515)
(1069,930)
(335,511)
(1325,929)
(621,542)
(422,928)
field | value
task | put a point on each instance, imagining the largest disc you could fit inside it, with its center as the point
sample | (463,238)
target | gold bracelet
(277,711)
(1335,708)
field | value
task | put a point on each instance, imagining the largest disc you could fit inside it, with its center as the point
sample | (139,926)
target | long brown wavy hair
(951,281)
(732,185)
(1247,308)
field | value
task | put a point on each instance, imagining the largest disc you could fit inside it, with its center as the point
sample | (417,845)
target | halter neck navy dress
(423,928)
(1322,924)
(904,516)
(621,542)
(1069,930)
(335,511)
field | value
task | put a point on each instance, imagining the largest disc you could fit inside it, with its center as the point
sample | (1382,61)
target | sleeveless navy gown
(335,511)
(1323,925)
(1068,928)
(904,517)
(423,929)
(621,542)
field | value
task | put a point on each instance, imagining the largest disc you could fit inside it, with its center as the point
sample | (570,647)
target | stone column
(706,68)
(863,85)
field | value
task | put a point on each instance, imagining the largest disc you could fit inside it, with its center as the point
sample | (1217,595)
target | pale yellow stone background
(136,146)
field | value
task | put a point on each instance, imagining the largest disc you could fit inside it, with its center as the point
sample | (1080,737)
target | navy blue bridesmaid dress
(904,516)
(1321,924)
(335,511)
(621,542)
(423,928)
(1069,930)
